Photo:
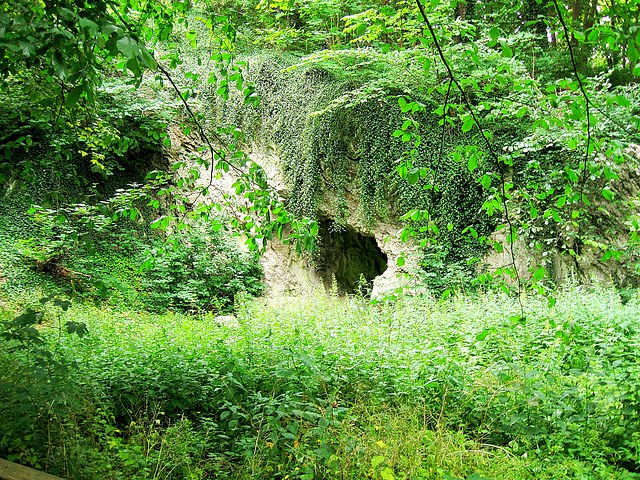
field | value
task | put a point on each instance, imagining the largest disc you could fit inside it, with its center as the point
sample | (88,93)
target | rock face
(361,256)
(355,257)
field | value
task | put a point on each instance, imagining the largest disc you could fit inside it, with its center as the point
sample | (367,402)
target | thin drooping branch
(203,135)
(492,153)
(221,153)
(585,173)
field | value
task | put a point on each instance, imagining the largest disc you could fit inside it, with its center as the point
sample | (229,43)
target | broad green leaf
(128,47)
(538,274)
(147,59)
(59,65)
(608,194)
(484,334)
(387,474)
(472,163)
(73,96)
(134,66)
(632,52)
(485,181)
(90,25)
(28,49)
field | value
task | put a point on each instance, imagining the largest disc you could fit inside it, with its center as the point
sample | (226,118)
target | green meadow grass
(331,388)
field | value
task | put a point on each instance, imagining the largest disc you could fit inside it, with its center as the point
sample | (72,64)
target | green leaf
(28,49)
(134,66)
(484,334)
(608,194)
(59,66)
(147,59)
(128,47)
(636,70)
(506,51)
(494,33)
(89,25)
(632,52)
(79,328)
(377,460)
(73,96)
(539,274)
(472,163)
(387,474)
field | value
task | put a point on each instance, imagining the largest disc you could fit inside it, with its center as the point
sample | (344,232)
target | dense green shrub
(326,389)
(201,270)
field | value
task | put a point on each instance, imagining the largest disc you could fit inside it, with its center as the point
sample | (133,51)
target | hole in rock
(347,255)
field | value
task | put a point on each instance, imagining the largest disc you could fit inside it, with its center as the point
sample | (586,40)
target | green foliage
(203,269)
(338,390)
(334,120)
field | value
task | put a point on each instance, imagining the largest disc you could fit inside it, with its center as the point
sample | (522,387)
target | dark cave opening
(348,255)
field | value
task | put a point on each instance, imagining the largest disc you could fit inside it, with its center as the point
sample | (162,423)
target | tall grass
(328,388)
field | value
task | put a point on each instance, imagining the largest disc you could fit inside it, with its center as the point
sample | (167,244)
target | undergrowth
(322,388)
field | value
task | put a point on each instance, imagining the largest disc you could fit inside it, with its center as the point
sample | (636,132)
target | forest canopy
(565,72)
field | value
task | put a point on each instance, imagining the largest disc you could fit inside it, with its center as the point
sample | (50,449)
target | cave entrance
(347,255)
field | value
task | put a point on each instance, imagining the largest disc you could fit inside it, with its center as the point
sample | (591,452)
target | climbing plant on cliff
(331,119)
(571,188)
(508,64)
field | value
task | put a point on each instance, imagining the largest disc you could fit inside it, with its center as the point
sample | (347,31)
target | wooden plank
(13,471)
